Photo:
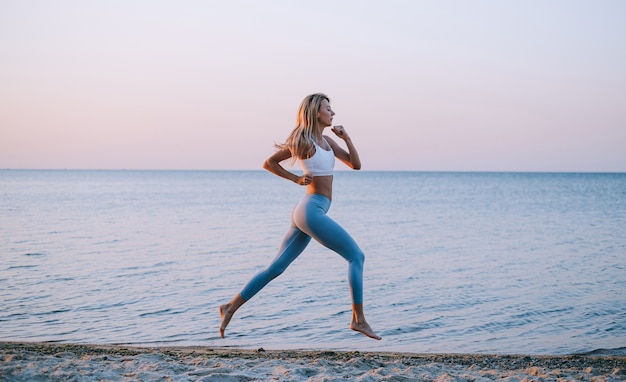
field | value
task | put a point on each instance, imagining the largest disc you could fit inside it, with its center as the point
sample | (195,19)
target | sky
(211,85)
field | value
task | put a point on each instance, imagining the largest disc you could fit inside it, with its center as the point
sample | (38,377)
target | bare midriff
(322,185)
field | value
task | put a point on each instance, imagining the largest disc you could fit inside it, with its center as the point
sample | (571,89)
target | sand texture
(68,362)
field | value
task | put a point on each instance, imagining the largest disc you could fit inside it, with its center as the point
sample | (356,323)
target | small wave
(417,327)
(610,352)
(52,312)
(158,312)
(21,266)
(164,263)
(35,254)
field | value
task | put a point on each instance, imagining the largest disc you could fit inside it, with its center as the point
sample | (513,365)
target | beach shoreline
(23,361)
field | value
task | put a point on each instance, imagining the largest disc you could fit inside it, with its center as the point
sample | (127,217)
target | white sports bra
(321,163)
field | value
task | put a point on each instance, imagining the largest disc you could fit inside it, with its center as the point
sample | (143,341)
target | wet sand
(70,362)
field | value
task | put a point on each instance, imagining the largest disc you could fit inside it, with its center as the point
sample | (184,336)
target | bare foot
(363,327)
(226,315)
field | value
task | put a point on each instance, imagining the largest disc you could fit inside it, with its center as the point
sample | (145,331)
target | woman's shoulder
(331,142)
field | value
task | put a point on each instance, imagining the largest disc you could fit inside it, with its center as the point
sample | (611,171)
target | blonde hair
(300,141)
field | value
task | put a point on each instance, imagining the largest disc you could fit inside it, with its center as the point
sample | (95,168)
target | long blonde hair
(300,141)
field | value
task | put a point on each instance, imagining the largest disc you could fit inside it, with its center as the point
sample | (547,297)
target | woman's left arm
(350,157)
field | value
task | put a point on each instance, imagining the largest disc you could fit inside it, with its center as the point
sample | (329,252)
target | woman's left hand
(340,132)
(350,157)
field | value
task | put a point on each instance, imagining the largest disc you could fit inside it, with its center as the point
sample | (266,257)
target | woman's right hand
(304,180)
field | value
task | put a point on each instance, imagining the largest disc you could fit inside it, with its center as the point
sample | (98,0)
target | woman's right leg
(294,242)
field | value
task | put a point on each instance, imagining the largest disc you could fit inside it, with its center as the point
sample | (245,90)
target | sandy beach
(69,362)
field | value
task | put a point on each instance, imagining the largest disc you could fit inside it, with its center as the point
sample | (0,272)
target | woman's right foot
(226,315)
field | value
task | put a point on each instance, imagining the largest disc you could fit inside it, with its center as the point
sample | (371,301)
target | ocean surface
(531,263)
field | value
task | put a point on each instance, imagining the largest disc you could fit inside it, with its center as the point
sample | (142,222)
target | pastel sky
(441,85)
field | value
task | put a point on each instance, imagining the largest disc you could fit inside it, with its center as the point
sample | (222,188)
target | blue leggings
(309,220)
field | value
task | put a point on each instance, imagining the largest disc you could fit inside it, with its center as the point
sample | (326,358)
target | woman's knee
(358,257)
(274,271)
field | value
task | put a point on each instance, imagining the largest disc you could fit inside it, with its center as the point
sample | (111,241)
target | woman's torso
(322,185)
(320,166)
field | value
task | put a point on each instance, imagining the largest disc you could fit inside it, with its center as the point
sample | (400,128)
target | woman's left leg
(311,219)
(316,223)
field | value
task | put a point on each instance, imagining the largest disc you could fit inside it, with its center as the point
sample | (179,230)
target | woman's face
(325,114)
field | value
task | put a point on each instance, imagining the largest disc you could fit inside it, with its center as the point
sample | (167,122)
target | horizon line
(342,170)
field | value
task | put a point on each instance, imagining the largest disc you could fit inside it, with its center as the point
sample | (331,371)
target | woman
(316,154)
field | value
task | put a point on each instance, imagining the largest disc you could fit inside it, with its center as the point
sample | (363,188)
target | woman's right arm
(272,164)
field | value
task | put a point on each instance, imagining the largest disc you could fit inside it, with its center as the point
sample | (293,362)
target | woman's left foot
(363,327)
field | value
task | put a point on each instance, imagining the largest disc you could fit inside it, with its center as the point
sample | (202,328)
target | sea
(498,263)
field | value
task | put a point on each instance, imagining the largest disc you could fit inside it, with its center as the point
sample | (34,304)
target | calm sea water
(455,262)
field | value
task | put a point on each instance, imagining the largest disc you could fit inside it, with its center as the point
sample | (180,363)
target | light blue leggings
(309,220)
